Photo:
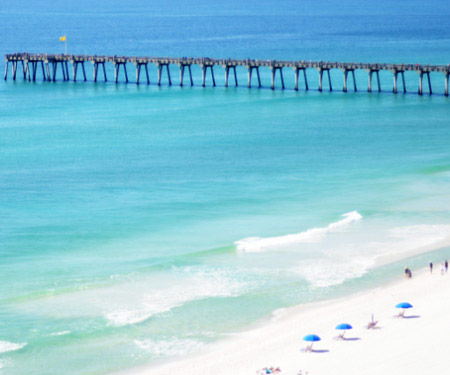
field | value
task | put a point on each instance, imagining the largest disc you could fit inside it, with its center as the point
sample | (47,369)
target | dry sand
(417,344)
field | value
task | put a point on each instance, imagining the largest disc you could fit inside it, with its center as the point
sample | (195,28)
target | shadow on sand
(411,316)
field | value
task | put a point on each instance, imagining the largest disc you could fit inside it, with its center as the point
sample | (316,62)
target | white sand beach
(416,344)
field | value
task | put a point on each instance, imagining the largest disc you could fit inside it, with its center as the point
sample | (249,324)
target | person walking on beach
(431,267)
(446,265)
(408,273)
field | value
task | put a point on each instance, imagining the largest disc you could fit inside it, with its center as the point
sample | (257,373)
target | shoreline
(411,345)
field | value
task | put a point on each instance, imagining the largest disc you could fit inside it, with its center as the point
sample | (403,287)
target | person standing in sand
(431,267)
(408,273)
(446,265)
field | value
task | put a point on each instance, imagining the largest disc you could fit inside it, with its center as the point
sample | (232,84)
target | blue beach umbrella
(311,339)
(343,327)
(404,306)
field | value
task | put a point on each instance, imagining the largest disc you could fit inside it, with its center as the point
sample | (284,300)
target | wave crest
(6,346)
(257,244)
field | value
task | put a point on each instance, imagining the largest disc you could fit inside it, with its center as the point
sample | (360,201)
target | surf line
(258,244)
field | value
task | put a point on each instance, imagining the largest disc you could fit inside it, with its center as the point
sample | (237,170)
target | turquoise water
(142,223)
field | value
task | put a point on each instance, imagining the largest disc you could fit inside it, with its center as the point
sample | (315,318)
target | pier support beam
(204,69)
(321,70)
(26,73)
(274,72)
(395,73)
(250,71)
(297,72)
(446,83)
(6,69)
(96,65)
(160,68)
(64,69)
(75,69)
(25,68)
(30,71)
(182,67)
(33,70)
(47,69)
(377,72)
(421,74)
(117,70)
(43,71)
(227,73)
(346,79)
(55,67)
(66,66)
(139,65)
(14,70)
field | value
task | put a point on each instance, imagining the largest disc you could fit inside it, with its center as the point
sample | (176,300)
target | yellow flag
(62,38)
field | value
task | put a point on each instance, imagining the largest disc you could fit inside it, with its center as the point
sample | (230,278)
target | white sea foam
(6,346)
(352,260)
(61,333)
(197,284)
(257,244)
(4,363)
(168,348)
(331,271)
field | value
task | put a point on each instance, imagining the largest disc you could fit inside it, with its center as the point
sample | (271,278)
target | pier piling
(205,65)
(160,68)
(250,71)
(297,73)
(421,74)
(6,70)
(446,83)
(117,65)
(321,70)
(274,72)
(97,63)
(395,75)
(182,67)
(345,71)
(227,73)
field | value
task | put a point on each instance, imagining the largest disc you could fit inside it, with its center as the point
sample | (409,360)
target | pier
(33,65)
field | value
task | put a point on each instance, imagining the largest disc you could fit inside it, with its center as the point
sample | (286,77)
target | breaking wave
(6,346)
(200,284)
(257,244)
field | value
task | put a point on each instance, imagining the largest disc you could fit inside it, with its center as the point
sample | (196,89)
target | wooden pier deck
(31,63)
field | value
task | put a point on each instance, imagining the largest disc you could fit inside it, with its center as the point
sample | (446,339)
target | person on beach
(431,267)
(408,273)
(446,266)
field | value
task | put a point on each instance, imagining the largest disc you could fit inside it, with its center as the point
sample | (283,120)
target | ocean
(142,223)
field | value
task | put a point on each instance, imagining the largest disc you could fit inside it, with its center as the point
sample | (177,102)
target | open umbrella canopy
(344,326)
(403,305)
(311,338)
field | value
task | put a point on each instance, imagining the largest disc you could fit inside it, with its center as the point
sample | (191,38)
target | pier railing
(48,63)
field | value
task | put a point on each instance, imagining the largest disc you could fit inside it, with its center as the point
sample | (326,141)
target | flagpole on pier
(64,39)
